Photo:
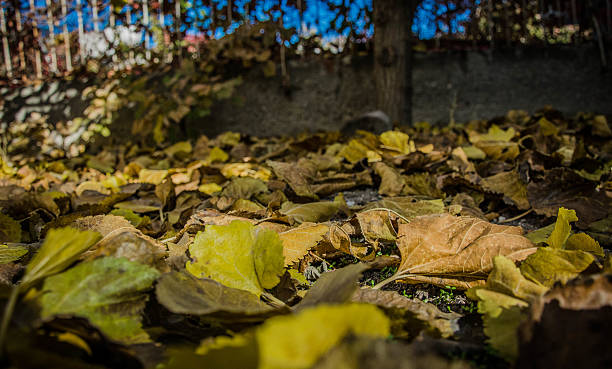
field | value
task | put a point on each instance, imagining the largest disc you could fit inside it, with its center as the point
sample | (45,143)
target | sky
(317,16)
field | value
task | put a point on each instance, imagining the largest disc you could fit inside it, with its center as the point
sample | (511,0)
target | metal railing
(42,38)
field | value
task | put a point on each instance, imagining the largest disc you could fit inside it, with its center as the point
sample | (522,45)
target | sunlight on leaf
(238,255)
(60,249)
(107,291)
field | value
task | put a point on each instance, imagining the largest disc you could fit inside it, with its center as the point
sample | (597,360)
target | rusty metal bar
(66,37)
(94,13)
(79,9)
(50,23)
(20,49)
(5,44)
(37,55)
(146,21)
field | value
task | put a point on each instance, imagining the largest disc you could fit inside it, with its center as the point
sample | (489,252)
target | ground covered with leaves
(484,244)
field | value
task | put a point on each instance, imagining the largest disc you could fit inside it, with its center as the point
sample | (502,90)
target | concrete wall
(326,93)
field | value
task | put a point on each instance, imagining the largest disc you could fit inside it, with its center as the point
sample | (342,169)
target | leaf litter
(453,246)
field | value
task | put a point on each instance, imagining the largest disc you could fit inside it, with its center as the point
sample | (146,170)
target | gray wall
(328,94)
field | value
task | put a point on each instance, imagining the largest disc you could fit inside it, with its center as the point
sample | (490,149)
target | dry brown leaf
(445,248)
(510,185)
(295,178)
(297,241)
(122,239)
(420,315)
(392,182)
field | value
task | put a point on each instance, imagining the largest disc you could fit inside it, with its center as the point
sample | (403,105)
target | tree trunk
(393,58)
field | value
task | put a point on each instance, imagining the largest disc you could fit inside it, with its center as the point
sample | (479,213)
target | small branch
(516,217)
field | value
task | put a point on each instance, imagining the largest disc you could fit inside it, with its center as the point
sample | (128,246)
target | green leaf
(182,293)
(549,265)
(540,235)
(10,230)
(238,255)
(107,291)
(562,230)
(61,248)
(8,254)
(135,219)
(299,341)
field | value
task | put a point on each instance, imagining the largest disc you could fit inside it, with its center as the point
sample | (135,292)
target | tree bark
(393,58)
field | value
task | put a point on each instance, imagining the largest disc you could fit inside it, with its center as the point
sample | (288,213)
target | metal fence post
(50,23)
(5,45)
(66,37)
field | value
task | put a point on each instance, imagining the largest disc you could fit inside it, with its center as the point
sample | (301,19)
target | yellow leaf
(298,341)
(155,176)
(216,155)
(562,230)
(245,170)
(61,248)
(209,188)
(238,255)
(549,265)
(584,242)
(396,141)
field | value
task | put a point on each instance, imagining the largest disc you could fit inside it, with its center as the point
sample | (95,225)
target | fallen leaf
(568,326)
(314,212)
(152,176)
(8,254)
(238,255)
(335,287)
(298,341)
(561,187)
(391,183)
(412,315)
(210,188)
(244,188)
(107,291)
(61,248)
(10,230)
(455,248)
(584,242)
(295,178)
(182,293)
(549,265)
(510,185)
(297,241)
(562,229)
(122,239)
(396,141)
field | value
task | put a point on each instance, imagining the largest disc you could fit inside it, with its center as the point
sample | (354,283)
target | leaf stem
(8,314)
(273,301)
(394,278)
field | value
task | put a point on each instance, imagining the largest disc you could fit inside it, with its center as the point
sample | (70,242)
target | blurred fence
(42,38)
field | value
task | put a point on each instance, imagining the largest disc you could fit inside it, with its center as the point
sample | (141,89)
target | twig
(516,217)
